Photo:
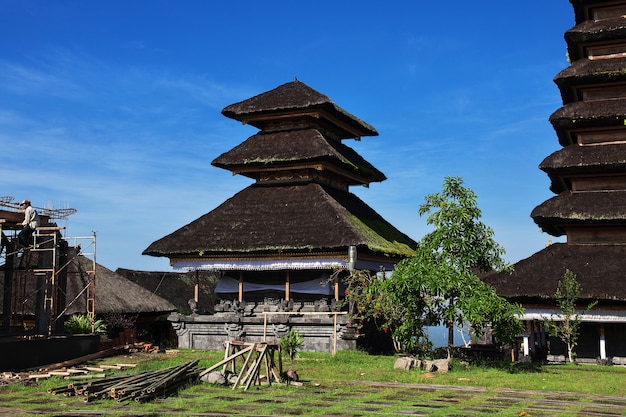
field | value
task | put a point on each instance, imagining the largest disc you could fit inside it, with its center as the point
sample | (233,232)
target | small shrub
(81,324)
(117,322)
(292,344)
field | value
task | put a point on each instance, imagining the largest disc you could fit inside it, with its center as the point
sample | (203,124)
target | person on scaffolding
(30,223)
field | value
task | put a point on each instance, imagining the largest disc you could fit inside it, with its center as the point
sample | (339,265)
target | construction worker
(30,223)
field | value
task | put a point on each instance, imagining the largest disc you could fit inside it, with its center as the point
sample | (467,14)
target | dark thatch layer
(286,218)
(578,208)
(114,293)
(294,97)
(581,114)
(600,270)
(591,31)
(589,72)
(296,146)
(575,159)
(175,287)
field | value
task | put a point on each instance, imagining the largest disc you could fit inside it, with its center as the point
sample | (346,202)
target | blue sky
(113,108)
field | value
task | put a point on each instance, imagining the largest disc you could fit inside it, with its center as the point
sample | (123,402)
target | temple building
(278,244)
(588,176)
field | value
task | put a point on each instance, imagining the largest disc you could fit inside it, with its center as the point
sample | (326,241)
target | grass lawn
(351,384)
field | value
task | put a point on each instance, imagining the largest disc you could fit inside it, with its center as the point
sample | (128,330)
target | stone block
(404,363)
(437,365)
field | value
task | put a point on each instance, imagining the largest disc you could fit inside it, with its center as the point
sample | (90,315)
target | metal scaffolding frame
(47,262)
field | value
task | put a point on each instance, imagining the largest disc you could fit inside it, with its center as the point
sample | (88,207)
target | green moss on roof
(382,237)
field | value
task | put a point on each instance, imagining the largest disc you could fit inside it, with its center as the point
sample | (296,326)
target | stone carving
(235,331)
(280,330)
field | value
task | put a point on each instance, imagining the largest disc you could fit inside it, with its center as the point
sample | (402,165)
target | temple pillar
(602,343)
(240,286)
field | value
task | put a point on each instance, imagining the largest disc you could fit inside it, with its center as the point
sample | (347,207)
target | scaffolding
(36,277)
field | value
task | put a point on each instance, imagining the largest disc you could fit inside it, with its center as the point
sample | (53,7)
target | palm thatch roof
(295,146)
(587,114)
(587,72)
(590,31)
(578,160)
(297,99)
(582,208)
(286,218)
(600,270)
(175,287)
(114,293)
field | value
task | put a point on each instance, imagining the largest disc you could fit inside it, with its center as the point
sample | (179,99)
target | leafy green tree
(459,247)
(439,284)
(566,324)
(371,302)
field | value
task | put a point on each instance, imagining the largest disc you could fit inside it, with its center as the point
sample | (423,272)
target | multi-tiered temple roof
(588,174)
(299,212)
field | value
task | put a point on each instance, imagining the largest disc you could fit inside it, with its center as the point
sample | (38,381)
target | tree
(460,246)
(566,324)
(439,283)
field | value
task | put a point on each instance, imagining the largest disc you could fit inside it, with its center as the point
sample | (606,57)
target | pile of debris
(75,368)
(72,373)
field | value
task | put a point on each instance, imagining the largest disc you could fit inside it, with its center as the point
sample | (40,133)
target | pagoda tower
(276,244)
(588,176)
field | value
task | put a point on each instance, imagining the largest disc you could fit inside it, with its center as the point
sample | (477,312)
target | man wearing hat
(30,223)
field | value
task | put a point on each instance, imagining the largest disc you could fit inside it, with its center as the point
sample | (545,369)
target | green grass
(351,382)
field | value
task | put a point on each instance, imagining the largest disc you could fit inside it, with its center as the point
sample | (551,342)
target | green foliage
(439,283)
(566,324)
(82,324)
(449,258)
(292,343)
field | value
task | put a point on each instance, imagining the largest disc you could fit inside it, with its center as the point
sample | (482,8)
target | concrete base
(20,354)
(210,331)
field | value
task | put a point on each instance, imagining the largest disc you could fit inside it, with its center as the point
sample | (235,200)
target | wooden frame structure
(249,373)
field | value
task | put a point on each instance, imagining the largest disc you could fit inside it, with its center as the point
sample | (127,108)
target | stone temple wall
(321,331)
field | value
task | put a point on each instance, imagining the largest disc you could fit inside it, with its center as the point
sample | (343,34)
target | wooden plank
(77,371)
(38,376)
(93,368)
(231,357)
(84,377)
(255,367)
(246,364)
(59,373)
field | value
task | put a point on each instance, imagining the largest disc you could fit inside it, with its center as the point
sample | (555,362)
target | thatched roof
(282,219)
(296,98)
(580,208)
(575,159)
(584,114)
(591,31)
(600,270)
(175,287)
(114,293)
(297,146)
(587,72)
